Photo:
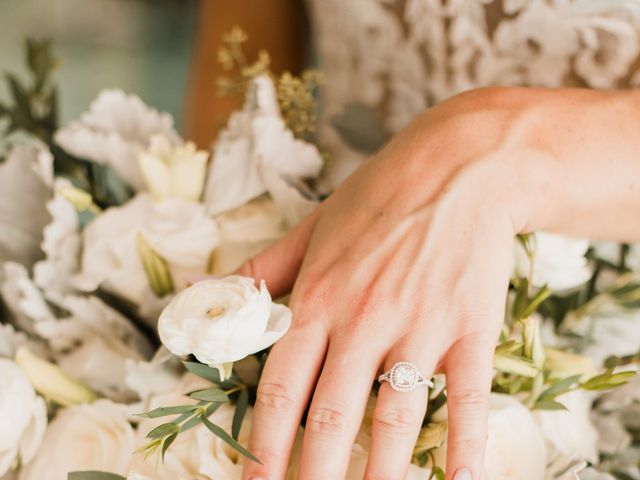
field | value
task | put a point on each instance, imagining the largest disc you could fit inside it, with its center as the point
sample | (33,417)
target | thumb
(279,264)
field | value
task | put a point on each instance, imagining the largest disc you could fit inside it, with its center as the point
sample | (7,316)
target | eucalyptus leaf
(165,411)
(166,443)
(559,387)
(241,410)
(549,405)
(228,439)
(359,128)
(164,430)
(208,373)
(213,394)
(94,475)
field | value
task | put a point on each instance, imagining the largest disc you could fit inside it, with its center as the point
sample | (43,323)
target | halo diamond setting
(404,377)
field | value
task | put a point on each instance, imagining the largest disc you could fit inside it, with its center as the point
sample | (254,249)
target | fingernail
(463,474)
(258,478)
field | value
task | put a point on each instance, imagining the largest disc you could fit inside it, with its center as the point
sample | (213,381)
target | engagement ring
(404,377)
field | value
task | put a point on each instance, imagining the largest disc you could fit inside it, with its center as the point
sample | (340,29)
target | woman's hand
(409,260)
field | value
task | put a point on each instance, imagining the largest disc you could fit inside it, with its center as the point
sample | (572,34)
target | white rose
(178,230)
(515,444)
(93,436)
(114,131)
(571,431)
(23,417)
(559,261)
(173,172)
(222,320)
(244,232)
(257,153)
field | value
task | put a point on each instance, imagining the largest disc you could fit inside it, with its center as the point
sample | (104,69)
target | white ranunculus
(114,131)
(178,230)
(571,431)
(23,417)
(515,443)
(244,232)
(222,320)
(559,261)
(173,171)
(93,436)
(257,153)
(61,244)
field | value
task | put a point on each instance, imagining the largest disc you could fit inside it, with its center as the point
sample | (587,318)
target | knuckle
(393,419)
(274,396)
(468,444)
(326,420)
(471,399)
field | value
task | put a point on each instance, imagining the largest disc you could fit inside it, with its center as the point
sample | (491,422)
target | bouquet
(114,367)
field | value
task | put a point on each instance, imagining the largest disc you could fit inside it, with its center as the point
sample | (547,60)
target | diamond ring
(404,377)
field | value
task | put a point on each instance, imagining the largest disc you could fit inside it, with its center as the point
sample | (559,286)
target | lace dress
(387,60)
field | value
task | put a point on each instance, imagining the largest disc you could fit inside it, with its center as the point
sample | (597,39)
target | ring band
(404,377)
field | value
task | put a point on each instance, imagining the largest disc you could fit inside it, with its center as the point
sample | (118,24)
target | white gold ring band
(404,377)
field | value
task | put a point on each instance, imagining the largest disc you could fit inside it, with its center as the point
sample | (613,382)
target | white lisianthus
(93,436)
(244,232)
(222,320)
(559,261)
(178,230)
(114,131)
(571,431)
(23,417)
(258,154)
(173,171)
(61,244)
(515,443)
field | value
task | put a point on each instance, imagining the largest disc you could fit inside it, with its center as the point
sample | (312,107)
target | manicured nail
(463,474)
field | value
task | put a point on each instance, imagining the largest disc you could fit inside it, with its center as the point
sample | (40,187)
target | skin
(410,259)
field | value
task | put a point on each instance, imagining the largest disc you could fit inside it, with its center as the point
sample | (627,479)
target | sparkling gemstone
(404,375)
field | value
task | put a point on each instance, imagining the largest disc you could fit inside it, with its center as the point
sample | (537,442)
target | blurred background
(162,50)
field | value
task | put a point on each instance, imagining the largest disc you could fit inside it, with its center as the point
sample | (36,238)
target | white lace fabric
(398,57)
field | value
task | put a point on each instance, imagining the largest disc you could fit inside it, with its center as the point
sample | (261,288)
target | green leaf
(166,443)
(540,296)
(241,410)
(514,365)
(197,420)
(164,430)
(607,380)
(359,128)
(19,94)
(165,411)
(94,475)
(549,405)
(225,437)
(213,394)
(208,373)
(438,473)
(508,347)
(558,388)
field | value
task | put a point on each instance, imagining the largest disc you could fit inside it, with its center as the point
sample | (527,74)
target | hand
(409,260)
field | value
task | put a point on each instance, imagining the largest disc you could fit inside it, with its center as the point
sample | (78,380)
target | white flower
(257,153)
(93,436)
(10,340)
(173,171)
(61,245)
(178,230)
(559,261)
(571,431)
(23,417)
(114,131)
(613,331)
(23,196)
(515,443)
(244,232)
(222,320)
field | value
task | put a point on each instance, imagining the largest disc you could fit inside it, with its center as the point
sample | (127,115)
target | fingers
(469,372)
(398,416)
(283,394)
(336,410)
(279,264)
